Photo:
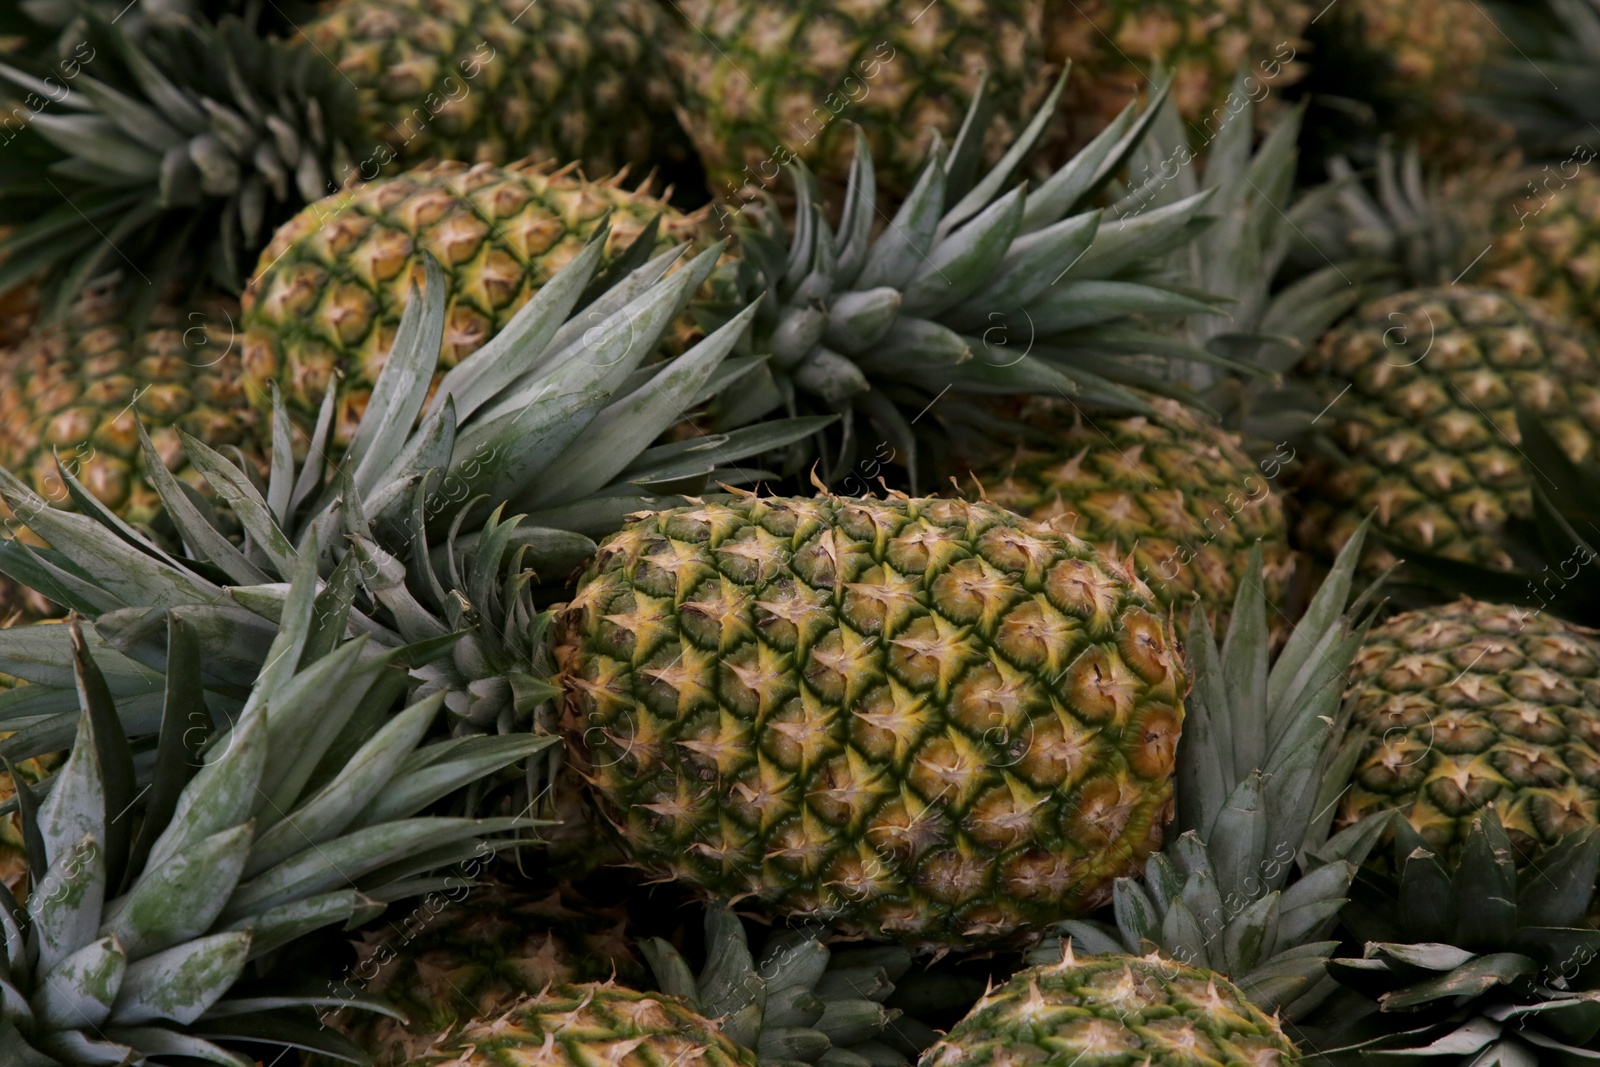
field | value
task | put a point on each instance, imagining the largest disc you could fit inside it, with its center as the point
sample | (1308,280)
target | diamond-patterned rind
(1175,493)
(763,81)
(1475,704)
(582,1025)
(491,81)
(929,718)
(1547,245)
(331,287)
(1423,388)
(1145,1011)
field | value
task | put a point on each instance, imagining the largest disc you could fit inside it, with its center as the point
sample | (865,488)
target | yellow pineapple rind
(1470,705)
(932,719)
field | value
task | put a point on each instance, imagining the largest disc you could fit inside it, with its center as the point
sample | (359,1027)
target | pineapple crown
(157,890)
(1267,327)
(1547,85)
(1552,552)
(1480,963)
(556,415)
(1259,768)
(972,289)
(802,1002)
(172,143)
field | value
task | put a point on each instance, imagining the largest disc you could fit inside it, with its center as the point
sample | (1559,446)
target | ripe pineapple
(929,718)
(1146,1010)
(1546,242)
(1423,388)
(1175,493)
(1472,706)
(490,944)
(331,286)
(75,392)
(764,82)
(574,1025)
(493,80)
(1113,45)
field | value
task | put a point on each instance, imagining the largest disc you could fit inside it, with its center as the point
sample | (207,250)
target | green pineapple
(1174,492)
(1102,1009)
(930,719)
(332,286)
(481,948)
(488,81)
(1250,886)
(1469,961)
(570,1026)
(155,892)
(762,83)
(189,141)
(1473,706)
(1422,389)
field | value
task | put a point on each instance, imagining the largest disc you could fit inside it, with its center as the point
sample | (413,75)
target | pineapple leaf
(186,723)
(180,983)
(402,387)
(1560,882)
(64,906)
(180,899)
(474,759)
(1238,838)
(221,795)
(1251,936)
(254,513)
(960,263)
(79,990)
(276,927)
(899,254)
(1137,917)
(1244,665)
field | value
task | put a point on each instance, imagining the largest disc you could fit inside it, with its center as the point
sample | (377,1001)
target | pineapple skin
(761,82)
(930,720)
(1112,43)
(1175,493)
(579,1025)
(1428,421)
(482,949)
(1472,704)
(489,81)
(1546,243)
(330,289)
(1146,1010)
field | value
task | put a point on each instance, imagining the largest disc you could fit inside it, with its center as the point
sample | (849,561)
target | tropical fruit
(153,891)
(332,285)
(1115,1009)
(78,389)
(1423,389)
(13,849)
(1470,706)
(572,1025)
(193,140)
(489,81)
(75,392)
(762,83)
(927,717)
(1113,45)
(475,950)
(1546,242)
(1473,956)
(1173,492)
(1250,885)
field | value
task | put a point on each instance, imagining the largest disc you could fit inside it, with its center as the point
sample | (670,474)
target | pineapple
(189,141)
(1173,492)
(1422,389)
(1251,885)
(1113,44)
(13,849)
(75,392)
(155,888)
(930,719)
(869,336)
(1546,241)
(1146,1010)
(490,80)
(572,1025)
(1473,706)
(762,82)
(332,285)
(1468,961)
(489,945)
